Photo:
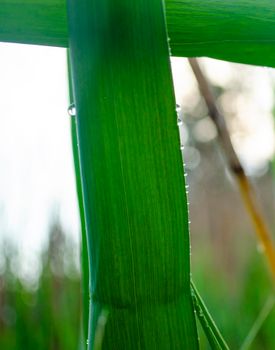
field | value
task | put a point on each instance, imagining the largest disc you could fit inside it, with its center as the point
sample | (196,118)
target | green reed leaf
(238,31)
(132,175)
(84,249)
(211,331)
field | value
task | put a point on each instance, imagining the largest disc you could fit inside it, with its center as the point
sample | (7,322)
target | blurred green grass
(235,312)
(47,314)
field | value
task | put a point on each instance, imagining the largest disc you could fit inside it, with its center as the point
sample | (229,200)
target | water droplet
(185,174)
(72,110)
(178,110)
(181,147)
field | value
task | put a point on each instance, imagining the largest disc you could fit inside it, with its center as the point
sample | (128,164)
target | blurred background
(228,264)
(39,224)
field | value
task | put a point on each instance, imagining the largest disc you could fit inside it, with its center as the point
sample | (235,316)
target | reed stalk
(132,175)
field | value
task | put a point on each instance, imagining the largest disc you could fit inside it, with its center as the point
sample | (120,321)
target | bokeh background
(228,263)
(40,293)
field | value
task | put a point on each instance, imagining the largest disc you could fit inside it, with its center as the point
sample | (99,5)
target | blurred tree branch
(246,189)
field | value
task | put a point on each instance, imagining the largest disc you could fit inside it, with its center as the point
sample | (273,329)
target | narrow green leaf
(84,248)
(132,175)
(238,31)
(211,331)
(266,310)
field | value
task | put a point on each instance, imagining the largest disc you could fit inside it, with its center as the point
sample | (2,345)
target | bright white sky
(35,149)
(36,164)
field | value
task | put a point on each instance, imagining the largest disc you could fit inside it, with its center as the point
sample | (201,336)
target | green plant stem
(84,249)
(266,310)
(211,331)
(132,175)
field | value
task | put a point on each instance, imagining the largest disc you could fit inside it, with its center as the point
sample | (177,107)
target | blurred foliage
(45,314)
(41,314)
(235,312)
(227,265)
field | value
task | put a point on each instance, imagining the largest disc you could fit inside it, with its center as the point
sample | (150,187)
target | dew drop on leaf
(72,110)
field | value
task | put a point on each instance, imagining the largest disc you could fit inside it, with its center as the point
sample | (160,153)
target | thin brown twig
(246,189)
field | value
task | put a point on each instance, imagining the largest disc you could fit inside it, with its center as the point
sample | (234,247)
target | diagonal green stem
(212,332)
(266,310)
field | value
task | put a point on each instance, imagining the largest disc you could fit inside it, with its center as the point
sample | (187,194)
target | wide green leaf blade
(238,31)
(41,22)
(132,175)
